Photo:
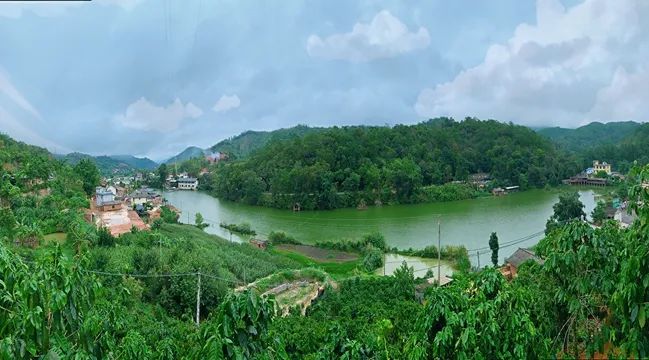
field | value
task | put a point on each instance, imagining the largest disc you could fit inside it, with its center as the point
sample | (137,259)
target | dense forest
(88,295)
(618,143)
(590,136)
(351,166)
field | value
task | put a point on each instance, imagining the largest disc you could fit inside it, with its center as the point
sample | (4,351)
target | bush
(373,260)
(280,237)
(104,237)
(168,216)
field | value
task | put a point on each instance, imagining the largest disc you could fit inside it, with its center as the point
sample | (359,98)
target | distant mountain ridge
(590,136)
(244,144)
(111,164)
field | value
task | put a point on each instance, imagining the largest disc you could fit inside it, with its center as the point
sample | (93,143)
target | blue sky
(150,77)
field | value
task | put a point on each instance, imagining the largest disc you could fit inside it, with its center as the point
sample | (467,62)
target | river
(466,222)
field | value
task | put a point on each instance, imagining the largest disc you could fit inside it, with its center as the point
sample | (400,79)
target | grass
(58,237)
(337,270)
(319,254)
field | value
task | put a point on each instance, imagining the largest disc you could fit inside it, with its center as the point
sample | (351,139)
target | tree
(89,174)
(601,174)
(493,245)
(599,213)
(163,173)
(200,222)
(567,209)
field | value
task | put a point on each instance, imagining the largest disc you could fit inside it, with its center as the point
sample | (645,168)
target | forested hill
(392,164)
(187,154)
(112,164)
(246,143)
(622,154)
(590,136)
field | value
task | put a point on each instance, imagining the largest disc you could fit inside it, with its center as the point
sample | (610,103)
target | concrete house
(187,183)
(105,200)
(603,166)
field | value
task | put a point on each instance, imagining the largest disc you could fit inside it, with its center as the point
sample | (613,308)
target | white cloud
(626,97)
(385,36)
(226,103)
(553,72)
(143,115)
(15,9)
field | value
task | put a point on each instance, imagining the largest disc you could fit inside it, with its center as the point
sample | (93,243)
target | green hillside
(591,135)
(246,143)
(343,167)
(189,153)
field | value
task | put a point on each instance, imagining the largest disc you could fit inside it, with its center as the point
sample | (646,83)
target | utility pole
(198,300)
(439,252)
(478,251)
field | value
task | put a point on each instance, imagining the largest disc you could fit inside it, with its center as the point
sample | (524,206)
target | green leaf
(641,317)
(634,313)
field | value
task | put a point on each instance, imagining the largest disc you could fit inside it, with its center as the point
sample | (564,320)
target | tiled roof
(522,255)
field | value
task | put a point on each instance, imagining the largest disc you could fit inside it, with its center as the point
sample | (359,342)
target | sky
(151,77)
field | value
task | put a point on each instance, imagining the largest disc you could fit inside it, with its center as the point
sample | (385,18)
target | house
(105,200)
(512,263)
(187,183)
(145,196)
(624,218)
(603,166)
(262,244)
(512,188)
(498,191)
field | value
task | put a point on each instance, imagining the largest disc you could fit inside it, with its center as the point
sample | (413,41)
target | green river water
(466,222)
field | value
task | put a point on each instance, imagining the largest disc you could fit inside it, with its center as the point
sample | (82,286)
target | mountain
(242,145)
(590,136)
(136,162)
(112,164)
(189,153)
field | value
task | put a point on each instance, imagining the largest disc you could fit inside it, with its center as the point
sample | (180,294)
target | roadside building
(512,263)
(512,188)
(187,183)
(603,166)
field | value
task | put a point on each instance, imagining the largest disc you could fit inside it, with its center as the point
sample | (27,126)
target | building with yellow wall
(601,166)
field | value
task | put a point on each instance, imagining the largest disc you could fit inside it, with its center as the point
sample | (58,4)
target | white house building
(105,200)
(188,183)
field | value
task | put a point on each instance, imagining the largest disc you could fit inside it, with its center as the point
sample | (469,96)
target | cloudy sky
(150,77)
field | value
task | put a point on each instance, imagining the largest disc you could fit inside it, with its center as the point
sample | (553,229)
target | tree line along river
(518,218)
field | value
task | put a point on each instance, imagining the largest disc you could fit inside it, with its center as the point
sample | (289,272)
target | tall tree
(493,245)
(89,174)
(163,173)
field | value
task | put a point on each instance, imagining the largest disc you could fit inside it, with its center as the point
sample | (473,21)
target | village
(122,204)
